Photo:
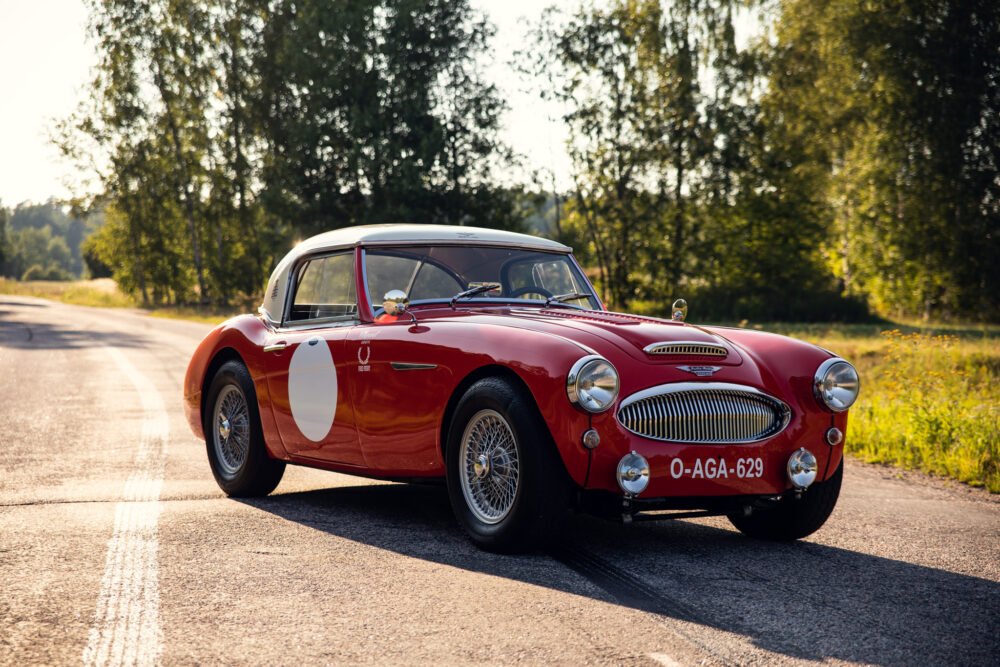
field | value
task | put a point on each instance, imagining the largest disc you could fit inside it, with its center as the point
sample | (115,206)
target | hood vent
(686,349)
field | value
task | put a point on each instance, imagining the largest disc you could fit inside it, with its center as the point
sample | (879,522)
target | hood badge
(701,371)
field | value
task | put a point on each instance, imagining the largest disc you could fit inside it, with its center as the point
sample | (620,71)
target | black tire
(794,518)
(240,462)
(543,489)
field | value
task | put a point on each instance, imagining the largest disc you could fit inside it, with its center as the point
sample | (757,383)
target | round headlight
(836,384)
(592,384)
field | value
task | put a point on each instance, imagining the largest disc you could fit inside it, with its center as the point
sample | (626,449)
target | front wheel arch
(492,370)
(222,356)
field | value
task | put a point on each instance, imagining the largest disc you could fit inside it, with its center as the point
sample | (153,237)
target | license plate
(749,467)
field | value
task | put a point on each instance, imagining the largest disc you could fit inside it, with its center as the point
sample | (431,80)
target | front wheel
(507,486)
(233,435)
(794,518)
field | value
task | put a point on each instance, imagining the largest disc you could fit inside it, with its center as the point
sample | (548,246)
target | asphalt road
(116,546)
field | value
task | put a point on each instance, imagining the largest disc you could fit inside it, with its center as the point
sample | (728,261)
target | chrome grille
(704,412)
(687,348)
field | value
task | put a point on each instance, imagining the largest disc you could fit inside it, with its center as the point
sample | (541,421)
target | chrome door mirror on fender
(395,302)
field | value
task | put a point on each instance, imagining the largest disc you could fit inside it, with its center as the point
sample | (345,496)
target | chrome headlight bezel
(824,385)
(580,395)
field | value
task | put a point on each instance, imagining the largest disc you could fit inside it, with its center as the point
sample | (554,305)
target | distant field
(930,396)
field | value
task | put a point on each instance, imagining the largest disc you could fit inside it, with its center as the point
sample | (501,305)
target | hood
(645,339)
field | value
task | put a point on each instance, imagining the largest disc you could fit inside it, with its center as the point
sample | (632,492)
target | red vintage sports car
(485,358)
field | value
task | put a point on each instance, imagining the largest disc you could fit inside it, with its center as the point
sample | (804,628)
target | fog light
(834,436)
(591,439)
(633,474)
(802,468)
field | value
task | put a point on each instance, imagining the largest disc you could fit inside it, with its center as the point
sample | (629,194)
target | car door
(309,378)
(402,376)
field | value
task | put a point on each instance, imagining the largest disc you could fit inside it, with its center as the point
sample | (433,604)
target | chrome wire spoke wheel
(489,466)
(231,435)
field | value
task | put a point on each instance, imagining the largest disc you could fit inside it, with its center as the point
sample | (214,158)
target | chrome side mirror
(395,302)
(679,311)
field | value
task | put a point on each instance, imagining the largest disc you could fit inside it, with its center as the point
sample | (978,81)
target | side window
(555,277)
(325,289)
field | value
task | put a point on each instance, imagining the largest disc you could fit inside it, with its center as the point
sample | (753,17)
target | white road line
(126,628)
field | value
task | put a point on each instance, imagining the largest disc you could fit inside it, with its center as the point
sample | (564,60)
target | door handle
(276,347)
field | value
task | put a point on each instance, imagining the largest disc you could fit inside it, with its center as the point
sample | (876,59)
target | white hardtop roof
(382,235)
(420,234)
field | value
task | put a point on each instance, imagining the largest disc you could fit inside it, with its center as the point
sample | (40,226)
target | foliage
(846,160)
(938,410)
(889,115)
(42,241)
(929,398)
(673,183)
(229,129)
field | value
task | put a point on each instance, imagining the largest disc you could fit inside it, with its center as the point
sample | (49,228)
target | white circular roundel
(312,388)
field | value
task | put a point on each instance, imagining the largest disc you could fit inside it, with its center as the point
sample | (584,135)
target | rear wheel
(233,435)
(507,486)
(794,518)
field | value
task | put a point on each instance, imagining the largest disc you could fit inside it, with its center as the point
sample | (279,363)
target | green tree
(227,128)
(893,111)
(375,112)
(4,244)
(652,147)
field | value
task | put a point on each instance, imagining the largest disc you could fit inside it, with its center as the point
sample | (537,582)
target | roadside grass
(930,396)
(205,315)
(104,293)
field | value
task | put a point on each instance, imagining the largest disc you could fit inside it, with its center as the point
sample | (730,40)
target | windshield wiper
(558,299)
(479,289)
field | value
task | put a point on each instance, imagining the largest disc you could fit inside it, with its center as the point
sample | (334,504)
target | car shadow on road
(20,332)
(803,600)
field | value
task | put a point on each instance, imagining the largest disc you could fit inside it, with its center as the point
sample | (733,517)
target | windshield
(438,273)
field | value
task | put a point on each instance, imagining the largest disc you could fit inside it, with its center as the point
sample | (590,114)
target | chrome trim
(572,391)
(489,467)
(701,371)
(276,347)
(687,347)
(679,310)
(802,468)
(231,436)
(704,413)
(820,374)
(406,366)
(290,287)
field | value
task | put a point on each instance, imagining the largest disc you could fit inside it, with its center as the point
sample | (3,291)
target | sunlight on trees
(845,160)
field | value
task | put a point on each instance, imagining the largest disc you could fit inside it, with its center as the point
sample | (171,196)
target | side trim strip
(403,366)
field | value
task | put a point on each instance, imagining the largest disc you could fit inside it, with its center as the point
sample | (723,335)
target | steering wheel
(530,289)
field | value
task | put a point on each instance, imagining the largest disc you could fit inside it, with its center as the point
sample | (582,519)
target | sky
(44,64)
